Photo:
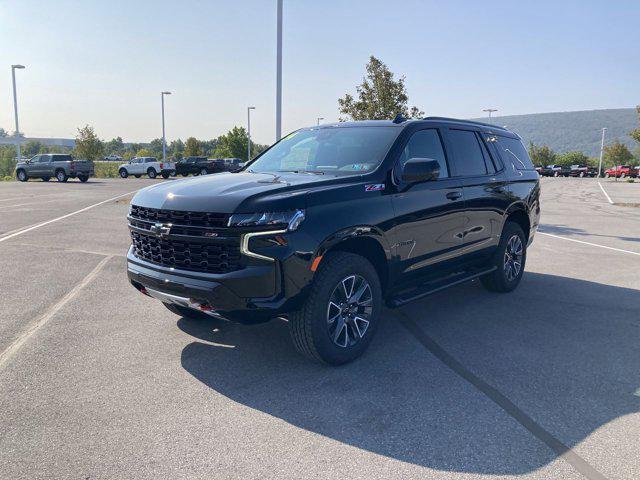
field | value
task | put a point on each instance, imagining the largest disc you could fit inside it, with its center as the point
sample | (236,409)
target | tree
(542,155)
(192,147)
(156,147)
(380,97)
(114,146)
(88,145)
(144,152)
(32,148)
(572,158)
(233,144)
(617,154)
(635,134)
(176,148)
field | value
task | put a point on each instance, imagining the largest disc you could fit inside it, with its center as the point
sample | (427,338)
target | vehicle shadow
(566,230)
(569,359)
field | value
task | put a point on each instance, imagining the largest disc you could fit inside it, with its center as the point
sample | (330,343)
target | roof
(390,123)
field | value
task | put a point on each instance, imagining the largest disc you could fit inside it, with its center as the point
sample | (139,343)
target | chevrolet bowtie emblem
(161,229)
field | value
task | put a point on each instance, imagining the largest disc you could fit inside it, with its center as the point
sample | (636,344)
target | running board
(433,287)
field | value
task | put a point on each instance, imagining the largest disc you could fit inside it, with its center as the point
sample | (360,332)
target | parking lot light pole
(164,140)
(249,132)
(601,152)
(490,110)
(320,118)
(279,72)
(15,108)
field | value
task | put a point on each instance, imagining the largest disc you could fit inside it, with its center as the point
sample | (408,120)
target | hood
(226,192)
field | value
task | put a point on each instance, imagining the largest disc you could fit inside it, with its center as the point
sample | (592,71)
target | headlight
(290,220)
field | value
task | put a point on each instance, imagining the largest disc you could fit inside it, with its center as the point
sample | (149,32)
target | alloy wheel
(349,311)
(513,258)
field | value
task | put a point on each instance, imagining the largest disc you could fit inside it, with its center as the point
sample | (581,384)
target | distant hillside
(568,131)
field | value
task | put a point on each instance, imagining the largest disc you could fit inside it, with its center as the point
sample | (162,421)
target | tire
(348,335)
(62,176)
(581,174)
(22,175)
(184,174)
(622,175)
(203,171)
(165,175)
(555,174)
(151,173)
(83,178)
(186,312)
(45,179)
(502,279)
(123,173)
(606,175)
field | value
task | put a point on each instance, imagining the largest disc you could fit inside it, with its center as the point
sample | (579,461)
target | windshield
(333,151)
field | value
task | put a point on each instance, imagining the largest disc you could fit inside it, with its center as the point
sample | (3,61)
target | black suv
(333,222)
(195,166)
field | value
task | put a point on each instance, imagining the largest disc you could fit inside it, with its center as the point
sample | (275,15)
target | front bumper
(253,294)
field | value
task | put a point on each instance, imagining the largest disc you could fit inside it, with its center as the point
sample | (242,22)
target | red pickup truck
(621,171)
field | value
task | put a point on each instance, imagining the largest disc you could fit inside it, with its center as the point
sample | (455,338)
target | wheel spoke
(361,325)
(364,286)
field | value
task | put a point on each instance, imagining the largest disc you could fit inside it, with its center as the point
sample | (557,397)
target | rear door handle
(454,195)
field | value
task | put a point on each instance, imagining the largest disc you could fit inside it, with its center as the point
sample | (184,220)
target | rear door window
(467,154)
(512,151)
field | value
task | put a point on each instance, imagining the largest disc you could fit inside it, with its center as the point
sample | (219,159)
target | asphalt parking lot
(98,381)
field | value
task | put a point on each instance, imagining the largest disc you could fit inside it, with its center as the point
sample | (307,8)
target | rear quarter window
(512,151)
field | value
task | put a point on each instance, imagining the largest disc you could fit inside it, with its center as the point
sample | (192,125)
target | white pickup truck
(149,166)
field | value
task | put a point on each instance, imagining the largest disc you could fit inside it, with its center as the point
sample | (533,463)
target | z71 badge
(374,187)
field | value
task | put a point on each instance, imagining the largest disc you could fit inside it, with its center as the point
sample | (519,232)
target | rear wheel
(509,260)
(341,314)
(46,179)
(165,175)
(123,173)
(203,171)
(151,173)
(186,312)
(83,178)
(61,176)
(22,175)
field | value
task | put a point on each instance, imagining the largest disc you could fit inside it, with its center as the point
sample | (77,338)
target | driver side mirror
(416,170)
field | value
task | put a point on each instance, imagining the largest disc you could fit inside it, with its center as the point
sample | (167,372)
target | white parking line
(605,193)
(38,225)
(589,243)
(46,316)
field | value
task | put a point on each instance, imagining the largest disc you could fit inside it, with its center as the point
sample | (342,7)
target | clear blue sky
(105,62)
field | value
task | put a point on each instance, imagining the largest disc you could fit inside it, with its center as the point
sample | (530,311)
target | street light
(249,132)
(320,118)
(490,110)
(601,152)
(164,140)
(279,71)
(15,108)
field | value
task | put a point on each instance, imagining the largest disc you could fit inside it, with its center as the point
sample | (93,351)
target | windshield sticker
(375,187)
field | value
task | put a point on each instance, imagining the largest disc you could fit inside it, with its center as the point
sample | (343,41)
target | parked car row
(567,171)
(622,171)
(204,165)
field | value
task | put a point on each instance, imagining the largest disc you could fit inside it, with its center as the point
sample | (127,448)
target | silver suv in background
(61,166)
(149,166)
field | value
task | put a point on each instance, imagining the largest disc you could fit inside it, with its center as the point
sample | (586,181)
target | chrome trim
(178,300)
(244,243)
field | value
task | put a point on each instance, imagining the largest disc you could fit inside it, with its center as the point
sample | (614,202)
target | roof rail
(466,121)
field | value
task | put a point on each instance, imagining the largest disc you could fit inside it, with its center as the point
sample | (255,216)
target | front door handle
(454,195)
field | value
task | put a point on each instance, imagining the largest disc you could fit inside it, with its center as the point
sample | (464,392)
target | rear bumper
(253,294)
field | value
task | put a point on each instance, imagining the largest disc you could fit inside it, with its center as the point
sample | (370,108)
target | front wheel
(203,171)
(123,173)
(555,174)
(341,314)
(606,175)
(165,175)
(61,176)
(151,173)
(622,175)
(509,260)
(22,175)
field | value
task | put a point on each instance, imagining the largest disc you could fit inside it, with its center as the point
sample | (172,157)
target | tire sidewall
(329,351)
(152,173)
(22,176)
(510,229)
(61,176)
(123,173)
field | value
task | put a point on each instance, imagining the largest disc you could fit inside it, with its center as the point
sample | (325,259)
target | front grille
(183,246)
(185,255)
(193,219)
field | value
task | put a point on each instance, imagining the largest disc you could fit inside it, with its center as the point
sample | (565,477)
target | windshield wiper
(313,172)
